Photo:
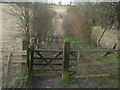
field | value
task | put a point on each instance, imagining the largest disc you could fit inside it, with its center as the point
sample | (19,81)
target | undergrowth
(21,81)
(47,45)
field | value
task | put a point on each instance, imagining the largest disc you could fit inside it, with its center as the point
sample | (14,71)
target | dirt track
(53,81)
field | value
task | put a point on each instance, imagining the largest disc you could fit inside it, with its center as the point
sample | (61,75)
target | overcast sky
(54,1)
(63,1)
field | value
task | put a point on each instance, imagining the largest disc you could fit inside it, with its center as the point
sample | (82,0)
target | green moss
(24,67)
(21,76)
(77,44)
(48,46)
(68,81)
(50,38)
(111,77)
(103,81)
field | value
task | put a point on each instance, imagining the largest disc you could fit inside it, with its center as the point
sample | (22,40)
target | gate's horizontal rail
(46,58)
(14,51)
(50,69)
(50,64)
(43,50)
(90,58)
(38,75)
(109,50)
(15,60)
(85,51)
(55,64)
(86,76)
(47,69)
(54,58)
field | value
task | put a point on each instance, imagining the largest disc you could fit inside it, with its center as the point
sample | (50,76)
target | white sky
(54,1)
(68,1)
(63,1)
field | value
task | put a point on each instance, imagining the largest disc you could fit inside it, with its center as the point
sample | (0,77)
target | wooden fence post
(28,57)
(31,61)
(8,76)
(25,45)
(66,57)
(78,56)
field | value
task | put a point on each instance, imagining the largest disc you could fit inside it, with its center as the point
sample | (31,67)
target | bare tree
(34,19)
(42,21)
(21,12)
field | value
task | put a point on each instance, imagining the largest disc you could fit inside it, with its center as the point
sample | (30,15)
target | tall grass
(77,44)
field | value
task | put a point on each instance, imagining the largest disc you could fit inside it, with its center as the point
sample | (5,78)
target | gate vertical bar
(66,57)
(31,62)
(78,56)
(28,53)
(25,45)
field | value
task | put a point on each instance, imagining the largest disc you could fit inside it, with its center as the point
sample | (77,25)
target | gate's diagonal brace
(47,63)
(54,58)
(72,73)
(72,53)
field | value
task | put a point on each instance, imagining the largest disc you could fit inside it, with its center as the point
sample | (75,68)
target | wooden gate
(64,57)
(92,66)
(53,58)
(38,59)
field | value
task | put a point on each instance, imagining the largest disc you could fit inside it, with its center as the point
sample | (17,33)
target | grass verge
(47,45)
(69,81)
(77,44)
(21,81)
(109,82)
